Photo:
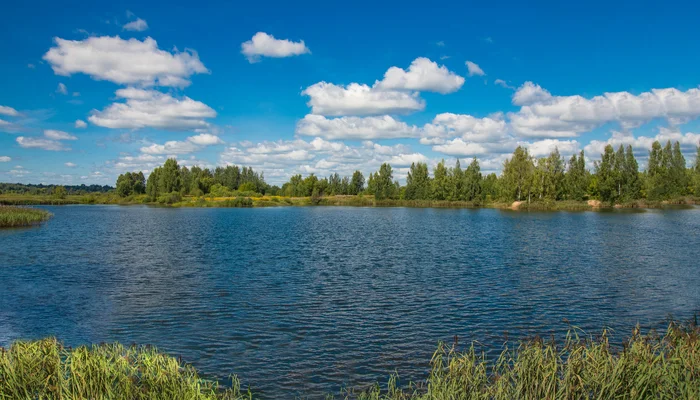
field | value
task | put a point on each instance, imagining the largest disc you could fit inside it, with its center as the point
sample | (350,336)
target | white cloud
(544,115)
(153,109)
(474,69)
(5,159)
(530,93)
(381,127)
(80,124)
(58,135)
(190,145)
(543,148)
(359,99)
(139,25)
(70,165)
(502,83)
(130,62)
(467,127)
(9,111)
(264,45)
(422,75)
(403,160)
(642,144)
(205,139)
(61,89)
(38,143)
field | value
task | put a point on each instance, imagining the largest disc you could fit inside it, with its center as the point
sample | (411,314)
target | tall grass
(647,367)
(45,369)
(21,216)
(644,367)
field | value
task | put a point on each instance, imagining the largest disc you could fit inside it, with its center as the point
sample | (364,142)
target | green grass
(11,217)
(644,367)
(45,369)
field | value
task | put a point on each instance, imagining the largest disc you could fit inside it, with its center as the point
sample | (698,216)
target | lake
(305,301)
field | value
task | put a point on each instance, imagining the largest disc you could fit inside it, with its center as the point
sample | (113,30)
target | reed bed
(45,369)
(11,217)
(644,367)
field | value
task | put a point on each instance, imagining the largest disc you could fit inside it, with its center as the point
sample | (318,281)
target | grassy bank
(176,200)
(11,217)
(646,366)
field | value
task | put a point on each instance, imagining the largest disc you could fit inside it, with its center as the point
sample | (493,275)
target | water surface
(305,301)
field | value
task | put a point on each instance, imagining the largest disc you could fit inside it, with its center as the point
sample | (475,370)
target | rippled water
(308,300)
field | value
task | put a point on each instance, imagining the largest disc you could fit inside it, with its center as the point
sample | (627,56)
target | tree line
(615,178)
(41,189)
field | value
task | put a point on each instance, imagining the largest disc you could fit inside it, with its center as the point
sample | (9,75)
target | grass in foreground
(11,217)
(646,367)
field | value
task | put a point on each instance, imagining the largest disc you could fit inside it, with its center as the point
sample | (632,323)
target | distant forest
(615,178)
(40,189)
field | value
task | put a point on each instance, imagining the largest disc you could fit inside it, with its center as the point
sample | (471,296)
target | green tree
(417,182)
(489,187)
(456,182)
(472,181)
(125,185)
(696,173)
(384,185)
(576,178)
(357,184)
(170,180)
(633,182)
(517,175)
(606,176)
(153,184)
(440,183)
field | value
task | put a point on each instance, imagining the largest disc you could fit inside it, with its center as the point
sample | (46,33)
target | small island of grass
(12,217)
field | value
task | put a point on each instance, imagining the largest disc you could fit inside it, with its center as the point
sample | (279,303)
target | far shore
(352,201)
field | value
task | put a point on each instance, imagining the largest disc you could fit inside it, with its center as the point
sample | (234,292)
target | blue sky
(320,87)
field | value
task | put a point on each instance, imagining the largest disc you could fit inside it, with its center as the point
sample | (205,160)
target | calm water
(308,300)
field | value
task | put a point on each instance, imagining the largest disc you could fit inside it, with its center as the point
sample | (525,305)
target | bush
(238,202)
(170,198)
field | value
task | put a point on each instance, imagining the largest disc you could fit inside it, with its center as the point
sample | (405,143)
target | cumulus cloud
(192,144)
(544,115)
(62,89)
(5,159)
(283,158)
(39,143)
(358,128)
(70,165)
(264,45)
(359,99)
(467,127)
(544,147)
(641,144)
(474,69)
(130,62)
(403,160)
(423,75)
(9,111)
(139,25)
(58,135)
(153,109)
(80,124)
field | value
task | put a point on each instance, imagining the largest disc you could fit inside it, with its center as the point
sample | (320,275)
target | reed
(11,217)
(45,369)
(645,367)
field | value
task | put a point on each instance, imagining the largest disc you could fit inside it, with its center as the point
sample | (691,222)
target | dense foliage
(30,189)
(615,179)
(644,367)
(168,183)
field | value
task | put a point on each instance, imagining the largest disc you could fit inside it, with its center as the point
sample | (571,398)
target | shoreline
(347,201)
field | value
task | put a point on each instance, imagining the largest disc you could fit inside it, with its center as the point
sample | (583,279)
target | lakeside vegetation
(13,217)
(526,182)
(645,366)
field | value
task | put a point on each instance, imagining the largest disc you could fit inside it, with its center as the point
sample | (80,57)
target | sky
(89,90)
